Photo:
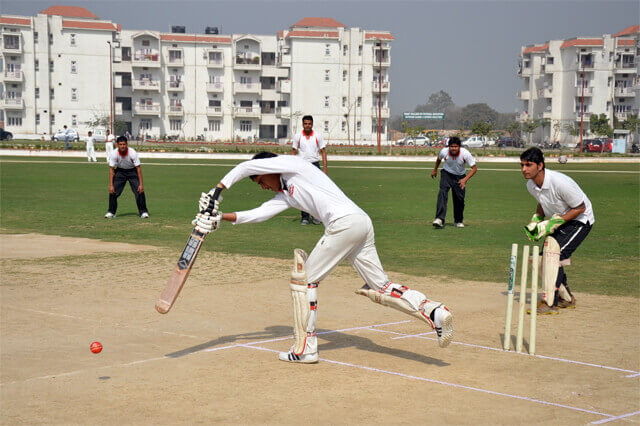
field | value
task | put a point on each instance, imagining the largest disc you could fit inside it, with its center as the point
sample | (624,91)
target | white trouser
(108,151)
(91,153)
(350,237)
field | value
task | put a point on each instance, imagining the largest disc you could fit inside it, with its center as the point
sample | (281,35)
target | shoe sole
(286,358)
(446,335)
(543,313)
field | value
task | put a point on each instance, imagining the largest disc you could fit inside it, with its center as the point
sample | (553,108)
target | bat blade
(180,273)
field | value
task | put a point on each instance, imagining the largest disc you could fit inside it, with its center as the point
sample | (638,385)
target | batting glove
(209,203)
(531,227)
(547,227)
(206,223)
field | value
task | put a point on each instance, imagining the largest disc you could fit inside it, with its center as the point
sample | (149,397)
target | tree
(481,128)
(599,125)
(514,129)
(412,132)
(103,120)
(573,129)
(530,127)
(631,123)
(557,129)
(473,113)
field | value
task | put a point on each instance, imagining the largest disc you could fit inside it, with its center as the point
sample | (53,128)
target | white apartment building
(566,81)
(56,70)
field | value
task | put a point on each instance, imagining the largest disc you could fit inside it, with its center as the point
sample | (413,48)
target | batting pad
(550,266)
(301,305)
(403,299)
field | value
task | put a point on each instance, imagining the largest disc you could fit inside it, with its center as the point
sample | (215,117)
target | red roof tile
(280,34)
(317,34)
(583,42)
(626,42)
(195,38)
(318,22)
(87,25)
(15,21)
(69,11)
(628,31)
(381,36)
(540,48)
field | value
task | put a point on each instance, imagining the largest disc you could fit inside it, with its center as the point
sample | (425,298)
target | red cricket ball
(96,347)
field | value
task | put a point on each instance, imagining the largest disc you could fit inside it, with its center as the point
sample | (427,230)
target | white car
(100,135)
(417,141)
(59,136)
(475,142)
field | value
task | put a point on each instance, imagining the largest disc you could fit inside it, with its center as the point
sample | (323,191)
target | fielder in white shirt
(348,235)
(91,152)
(309,145)
(109,145)
(452,176)
(124,166)
(569,219)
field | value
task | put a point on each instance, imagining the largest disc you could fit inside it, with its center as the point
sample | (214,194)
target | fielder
(90,140)
(570,218)
(348,235)
(124,166)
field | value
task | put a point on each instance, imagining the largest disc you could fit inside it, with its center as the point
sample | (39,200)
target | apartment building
(66,66)
(566,81)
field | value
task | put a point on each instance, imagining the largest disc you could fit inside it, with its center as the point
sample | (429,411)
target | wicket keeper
(569,218)
(348,235)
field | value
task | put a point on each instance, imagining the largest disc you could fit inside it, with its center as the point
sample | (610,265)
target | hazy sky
(467,48)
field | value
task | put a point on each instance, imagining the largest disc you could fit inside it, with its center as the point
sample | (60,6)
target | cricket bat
(180,273)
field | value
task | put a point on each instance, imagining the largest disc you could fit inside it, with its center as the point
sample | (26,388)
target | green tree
(473,113)
(514,129)
(481,128)
(599,125)
(631,123)
(530,127)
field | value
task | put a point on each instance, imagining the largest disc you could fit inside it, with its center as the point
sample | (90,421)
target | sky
(467,48)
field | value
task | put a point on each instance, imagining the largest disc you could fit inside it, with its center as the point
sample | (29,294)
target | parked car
(5,136)
(59,136)
(100,135)
(416,141)
(475,142)
(594,145)
(508,142)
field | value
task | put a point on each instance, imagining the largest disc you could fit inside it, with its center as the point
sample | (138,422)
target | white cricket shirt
(90,141)
(304,187)
(309,146)
(456,165)
(127,161)
(558,194)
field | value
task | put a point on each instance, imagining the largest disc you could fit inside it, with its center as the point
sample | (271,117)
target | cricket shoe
(459,225)
(443,323)
(544,309)
(304,358)
(109,215)
(565,304)
(304,222)
(438,223)
(144,215)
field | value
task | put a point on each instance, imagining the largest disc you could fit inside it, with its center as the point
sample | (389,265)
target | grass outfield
(69,198)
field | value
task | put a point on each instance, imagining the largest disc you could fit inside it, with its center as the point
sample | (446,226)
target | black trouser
(120,178)
(569,236)
(305,215)
(450,181)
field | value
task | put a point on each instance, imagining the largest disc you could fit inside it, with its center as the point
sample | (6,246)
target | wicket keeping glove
(210,202)
(547,227)
(206,223)
(531,227)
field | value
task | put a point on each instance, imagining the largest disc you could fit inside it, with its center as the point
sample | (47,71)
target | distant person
(456,159)
(309,145)
(124,165)
(569,220)
(67,135)
(91,151)
(109,145)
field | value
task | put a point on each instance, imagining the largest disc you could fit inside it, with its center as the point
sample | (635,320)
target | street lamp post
(110,87)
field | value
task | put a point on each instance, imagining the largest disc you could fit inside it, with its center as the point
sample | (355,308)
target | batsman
(348,236)
(569,218)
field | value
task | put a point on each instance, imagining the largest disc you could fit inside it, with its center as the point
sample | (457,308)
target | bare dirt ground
(213,358)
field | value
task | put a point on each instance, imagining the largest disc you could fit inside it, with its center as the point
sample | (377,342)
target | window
(245,126)
(360,75)
(344,50)
(50,66)
(37,117)
(327,50)
(74,120)
(359,101)
(344,101)
(145,124)
(74,67)
(145,43)
(52,93)
(14,121)
(550,60)
(327,75)
(35,37)
(53,119)
(50,38)
(326,102)
(73,39)
(126,54)
(326,126)
(36,65)
(214,125)
(358,125)
(175,125)
(360,50)
(344,126)
(344,75)
(74,94)
(37,93)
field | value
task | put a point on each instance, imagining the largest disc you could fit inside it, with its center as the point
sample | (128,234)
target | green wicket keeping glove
(547,227)
(531,227)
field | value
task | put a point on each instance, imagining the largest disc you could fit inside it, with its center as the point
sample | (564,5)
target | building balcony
(523,116)
(524,95)
(377,61)
(587,115)
(215,63)
(284,86)
(283,112)
(246,112)
(13,76)
(215,87)
(12,103)
(377,87)
(214,111)
(588,91)
(175,86)
(149,60)
(284,60)
(384,112)
(622,116)
(243,63)
(175,110)
(546,92)
(525,71)
(247,88)
(176,60)
(11,45)
(546,114)
(624,91)
(145,84)
(147,109)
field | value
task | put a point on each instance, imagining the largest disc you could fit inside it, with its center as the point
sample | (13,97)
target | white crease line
(615,418)
(440,382)
(633,375)
(412,335)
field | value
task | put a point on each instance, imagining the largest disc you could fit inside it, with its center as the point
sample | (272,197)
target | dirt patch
(213,358)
